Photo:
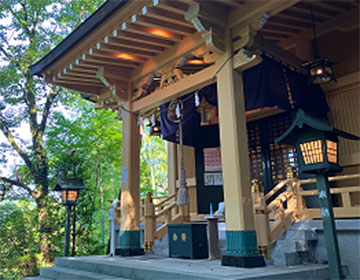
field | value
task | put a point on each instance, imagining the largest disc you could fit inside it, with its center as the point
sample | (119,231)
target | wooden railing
(164,213)
(346,208)
(290,206)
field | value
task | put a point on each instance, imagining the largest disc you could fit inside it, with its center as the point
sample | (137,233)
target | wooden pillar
(130,188)
(240,234)
(172,166)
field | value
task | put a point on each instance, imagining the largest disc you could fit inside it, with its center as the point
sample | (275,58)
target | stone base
(242,261)
(127,252)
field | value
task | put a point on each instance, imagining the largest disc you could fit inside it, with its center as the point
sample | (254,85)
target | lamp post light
(69,188)
(317,145)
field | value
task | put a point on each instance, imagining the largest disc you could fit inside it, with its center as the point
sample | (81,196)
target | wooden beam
(146,30)
(143,38)
(186,85)
(173,6)
(182,48)
(162,24)
(253,9)
(158,13)
(293,18)
(120,42)
(321,28)
(114,51)
(104,61)
(276,20)
(279,53)
(80,87)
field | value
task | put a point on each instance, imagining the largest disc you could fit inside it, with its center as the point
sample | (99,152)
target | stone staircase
(294,247)
(162,268)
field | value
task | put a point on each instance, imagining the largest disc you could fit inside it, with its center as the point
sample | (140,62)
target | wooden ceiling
(297,19)
(140,44)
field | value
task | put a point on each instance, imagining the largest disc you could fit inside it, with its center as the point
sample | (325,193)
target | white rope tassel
(183,196)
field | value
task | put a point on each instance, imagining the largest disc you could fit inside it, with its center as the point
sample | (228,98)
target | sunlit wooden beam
(187,45)
(180,88)
(120,42)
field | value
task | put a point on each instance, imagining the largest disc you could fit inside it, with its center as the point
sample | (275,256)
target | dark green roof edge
(75,37)
(70,184)
(303,118)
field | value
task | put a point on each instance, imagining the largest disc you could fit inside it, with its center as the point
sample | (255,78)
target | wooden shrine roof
(128,46)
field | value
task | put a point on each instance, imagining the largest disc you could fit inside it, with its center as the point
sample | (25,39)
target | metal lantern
(155,129)
(69,188)
(317,145)
(320,71)
(316,142)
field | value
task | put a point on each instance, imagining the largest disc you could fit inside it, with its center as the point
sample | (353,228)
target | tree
(27,29)
(96,138)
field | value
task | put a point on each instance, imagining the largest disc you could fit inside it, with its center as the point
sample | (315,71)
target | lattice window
(281,155)
(261,136)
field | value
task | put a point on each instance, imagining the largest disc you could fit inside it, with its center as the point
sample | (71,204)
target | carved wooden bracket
(210,27)
(117,88)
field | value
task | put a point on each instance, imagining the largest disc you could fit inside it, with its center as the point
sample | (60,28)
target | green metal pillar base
(330,235)
(129,243)
(241,249)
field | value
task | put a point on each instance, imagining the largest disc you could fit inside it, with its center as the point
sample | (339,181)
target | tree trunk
(45,230)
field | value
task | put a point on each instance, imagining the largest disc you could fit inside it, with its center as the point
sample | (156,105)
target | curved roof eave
(75,37)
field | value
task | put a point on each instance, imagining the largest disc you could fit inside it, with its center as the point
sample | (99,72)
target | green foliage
(153,165)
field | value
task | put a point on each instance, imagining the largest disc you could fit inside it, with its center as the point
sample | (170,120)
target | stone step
(126,268)
(291,246)
(69,274)
(307,235)
(285,259)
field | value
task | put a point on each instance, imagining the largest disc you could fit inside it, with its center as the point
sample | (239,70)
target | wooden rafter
(279,21)
(162,24)
(321,28)
(144,29)
(119,42)
(172,6)
(112,51)
(158,13)
(253,9)
(144,38)
(81,87)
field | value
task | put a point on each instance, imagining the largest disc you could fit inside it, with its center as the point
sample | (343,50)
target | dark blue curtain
(264,86)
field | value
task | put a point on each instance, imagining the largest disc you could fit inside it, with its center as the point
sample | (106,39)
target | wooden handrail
(167,209)
(165,200)
(331,179)
(276,189)
(332,191)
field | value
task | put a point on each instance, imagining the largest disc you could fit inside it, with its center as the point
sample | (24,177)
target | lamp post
(317,146)
(69,188)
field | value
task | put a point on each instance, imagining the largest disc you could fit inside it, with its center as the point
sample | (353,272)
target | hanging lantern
(320,71)
(155,128)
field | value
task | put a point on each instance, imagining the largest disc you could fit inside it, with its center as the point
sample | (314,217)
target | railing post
(149,217)
(261,218)
(296,202)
